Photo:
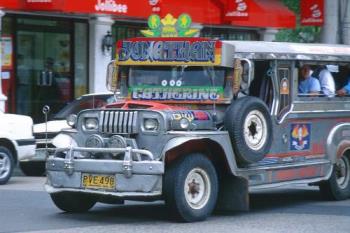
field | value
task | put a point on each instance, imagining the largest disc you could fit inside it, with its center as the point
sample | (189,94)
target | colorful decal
(169,26)
(284,87)
(300,136)
(177,93)
(6,48)
(191,115)
(169,52)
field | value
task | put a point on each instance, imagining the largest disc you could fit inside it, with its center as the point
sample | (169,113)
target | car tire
(73,202)
(33,168)
(7,164)
(249,124)
(191,188)
(337,187)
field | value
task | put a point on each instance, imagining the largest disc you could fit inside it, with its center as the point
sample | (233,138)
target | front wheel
(191,188)
(73,202)
(6,165)
(337,187)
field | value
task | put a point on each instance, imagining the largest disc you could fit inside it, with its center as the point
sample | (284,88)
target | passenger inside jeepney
(323,73)
(308,84)
(345,87)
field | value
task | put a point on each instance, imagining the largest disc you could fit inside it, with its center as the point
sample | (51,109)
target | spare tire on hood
(248,122)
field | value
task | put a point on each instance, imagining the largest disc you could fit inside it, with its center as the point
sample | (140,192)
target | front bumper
(25,149)
(134,178)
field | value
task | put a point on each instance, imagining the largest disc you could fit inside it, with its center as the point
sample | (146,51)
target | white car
(17,142)
(45,132)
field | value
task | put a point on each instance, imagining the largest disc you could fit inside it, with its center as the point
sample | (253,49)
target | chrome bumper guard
(135,177)
(128,166)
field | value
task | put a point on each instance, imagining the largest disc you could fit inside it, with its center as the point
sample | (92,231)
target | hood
(136,104)
(9,118)
(52,126)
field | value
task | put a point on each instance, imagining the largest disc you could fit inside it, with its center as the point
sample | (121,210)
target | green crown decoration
(169,26)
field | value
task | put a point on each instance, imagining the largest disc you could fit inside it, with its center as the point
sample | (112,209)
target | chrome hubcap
(255,132)
(342,172)
(5,165)
(197,188)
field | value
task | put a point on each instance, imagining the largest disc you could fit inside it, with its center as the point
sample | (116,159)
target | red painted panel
(298,173)
(267,13)
(262,13)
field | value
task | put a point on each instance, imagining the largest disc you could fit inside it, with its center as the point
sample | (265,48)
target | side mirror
(112,76)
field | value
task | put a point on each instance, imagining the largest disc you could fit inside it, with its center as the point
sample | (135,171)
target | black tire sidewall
(73,202)
(234,123)
(331,190)
(174,188)
(12,164)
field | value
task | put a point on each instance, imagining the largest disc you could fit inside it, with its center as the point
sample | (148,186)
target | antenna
(46,111)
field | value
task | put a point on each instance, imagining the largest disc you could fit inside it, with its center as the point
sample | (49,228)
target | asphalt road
(25,207)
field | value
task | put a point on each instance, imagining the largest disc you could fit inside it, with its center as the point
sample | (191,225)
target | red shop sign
(237,9)
(312,12)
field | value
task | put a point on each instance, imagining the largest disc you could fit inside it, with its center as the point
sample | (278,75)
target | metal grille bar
(119,122)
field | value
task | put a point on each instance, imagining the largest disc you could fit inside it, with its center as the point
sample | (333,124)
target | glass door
(44,70)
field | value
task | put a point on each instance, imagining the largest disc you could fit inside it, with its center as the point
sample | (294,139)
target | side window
(342,81)
(284,80)
(261,85)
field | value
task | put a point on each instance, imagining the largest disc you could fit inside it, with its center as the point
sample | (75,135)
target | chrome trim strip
(51,189)
(284,166)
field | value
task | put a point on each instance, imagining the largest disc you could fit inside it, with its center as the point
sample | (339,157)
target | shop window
(80,59)
(228,34)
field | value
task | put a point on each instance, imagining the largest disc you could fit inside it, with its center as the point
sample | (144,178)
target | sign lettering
(167,51)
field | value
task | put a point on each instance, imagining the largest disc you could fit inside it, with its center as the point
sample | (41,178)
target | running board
(280,174)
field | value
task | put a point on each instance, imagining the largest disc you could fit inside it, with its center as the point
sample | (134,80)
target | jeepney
(199,121)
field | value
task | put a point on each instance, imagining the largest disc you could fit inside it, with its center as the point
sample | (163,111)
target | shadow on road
(296,201)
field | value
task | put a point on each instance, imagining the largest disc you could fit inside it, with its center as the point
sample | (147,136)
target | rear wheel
(6,164)
(191,188)
(73,202)
(337,187)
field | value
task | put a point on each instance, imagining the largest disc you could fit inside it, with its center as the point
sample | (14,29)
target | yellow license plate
(98,181)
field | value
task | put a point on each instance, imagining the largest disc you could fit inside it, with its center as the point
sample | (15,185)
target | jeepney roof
(290,51)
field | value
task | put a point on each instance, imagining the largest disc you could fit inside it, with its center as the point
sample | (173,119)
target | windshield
(176,83)
(181,76)
(82,103)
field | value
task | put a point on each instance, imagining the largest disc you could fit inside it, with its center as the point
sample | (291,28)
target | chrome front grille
(119,122)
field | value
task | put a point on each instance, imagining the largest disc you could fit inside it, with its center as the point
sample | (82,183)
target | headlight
(151,124)
(72,120)
(94,141)
(184,123)
(91,124)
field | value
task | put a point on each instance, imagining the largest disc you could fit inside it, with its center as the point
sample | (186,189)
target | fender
(64,140)
(338,141)
(220,138)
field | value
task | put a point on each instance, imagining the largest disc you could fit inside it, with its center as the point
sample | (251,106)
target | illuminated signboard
(169,52)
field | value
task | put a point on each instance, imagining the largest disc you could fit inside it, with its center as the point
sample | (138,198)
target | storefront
(48,62)
(53,50)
